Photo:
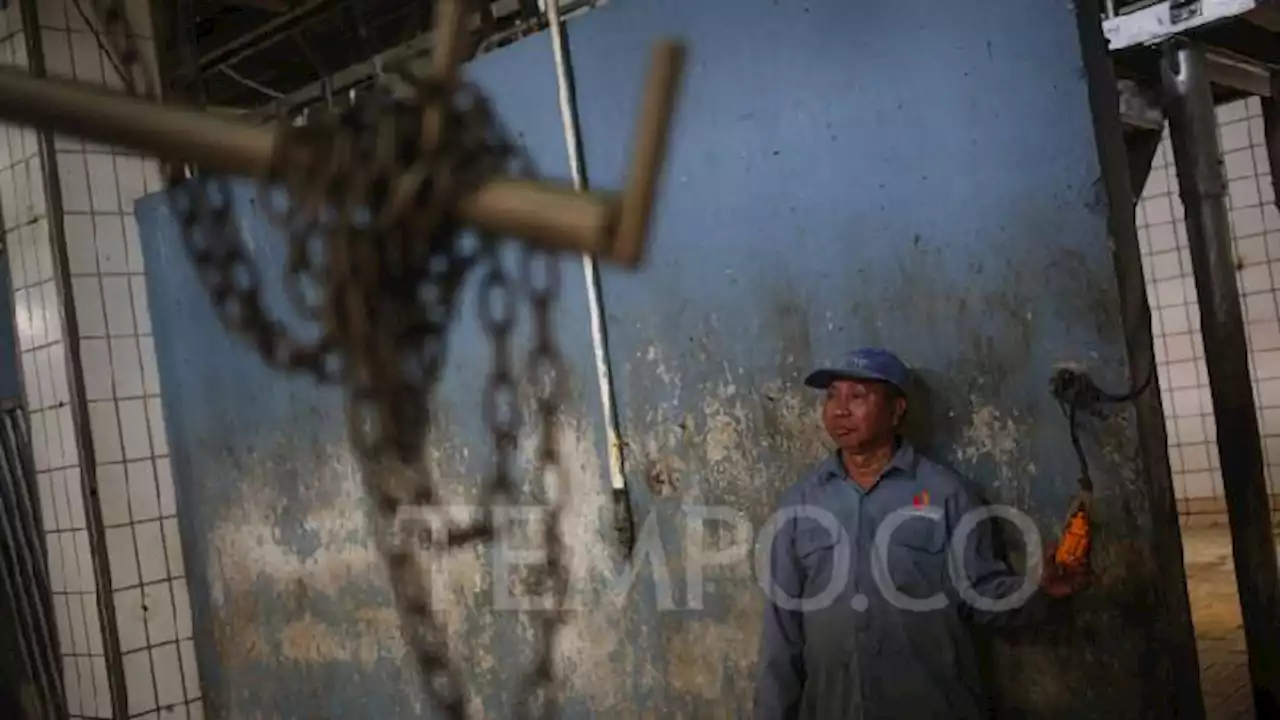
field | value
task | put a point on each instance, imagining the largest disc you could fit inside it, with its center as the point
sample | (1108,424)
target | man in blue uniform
(877,564)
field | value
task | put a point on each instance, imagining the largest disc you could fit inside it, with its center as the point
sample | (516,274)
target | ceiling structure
(1241,37)
(285,54)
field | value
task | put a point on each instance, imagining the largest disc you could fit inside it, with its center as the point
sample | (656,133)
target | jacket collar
(903,464)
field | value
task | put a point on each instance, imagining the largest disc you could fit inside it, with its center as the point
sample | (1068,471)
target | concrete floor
(1215,610)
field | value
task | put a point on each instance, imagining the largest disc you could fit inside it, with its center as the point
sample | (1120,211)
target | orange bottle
(1073,549)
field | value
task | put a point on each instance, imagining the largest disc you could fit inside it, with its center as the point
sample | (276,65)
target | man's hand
(1059,581)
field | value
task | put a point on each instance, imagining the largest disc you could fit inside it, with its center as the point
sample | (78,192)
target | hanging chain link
(546,366)
(376,259)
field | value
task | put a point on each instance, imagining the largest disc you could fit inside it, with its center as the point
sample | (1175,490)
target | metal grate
(23,570)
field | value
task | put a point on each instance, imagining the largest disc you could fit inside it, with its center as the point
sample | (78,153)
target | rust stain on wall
(712,654)
(307,640)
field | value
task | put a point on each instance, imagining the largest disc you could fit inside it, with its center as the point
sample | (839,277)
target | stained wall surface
(831,186)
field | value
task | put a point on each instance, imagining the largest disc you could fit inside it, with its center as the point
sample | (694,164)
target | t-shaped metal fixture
(611,227)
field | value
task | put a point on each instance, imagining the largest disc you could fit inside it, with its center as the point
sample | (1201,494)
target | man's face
(861,414)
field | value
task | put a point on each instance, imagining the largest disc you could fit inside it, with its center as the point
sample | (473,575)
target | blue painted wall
(918,174)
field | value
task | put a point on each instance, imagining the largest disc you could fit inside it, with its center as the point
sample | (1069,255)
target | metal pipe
(1171,686)
(266,34)
(96,113)
(623,521)
(1193,129)
(545,215)
(650,151)
(451,33)
(554,217)
(1238,73)
(447,55)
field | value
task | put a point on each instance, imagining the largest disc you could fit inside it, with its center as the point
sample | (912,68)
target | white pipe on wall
(591,273)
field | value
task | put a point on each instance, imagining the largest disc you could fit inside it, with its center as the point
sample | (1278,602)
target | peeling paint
(248,545)
(990,434)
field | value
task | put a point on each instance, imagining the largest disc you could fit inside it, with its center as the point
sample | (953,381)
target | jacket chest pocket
(816,549)
(916,556)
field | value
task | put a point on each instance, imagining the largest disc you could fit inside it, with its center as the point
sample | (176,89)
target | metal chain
(546,368)
(123,41)
(376,259)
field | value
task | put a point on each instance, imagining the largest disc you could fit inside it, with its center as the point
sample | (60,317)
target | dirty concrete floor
(1215,610)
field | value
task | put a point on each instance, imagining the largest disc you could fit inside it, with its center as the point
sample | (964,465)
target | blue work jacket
(870,593)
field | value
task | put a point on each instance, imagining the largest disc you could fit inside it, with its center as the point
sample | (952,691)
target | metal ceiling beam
(1229,70)
(1244,40)
(364,71)
(266,34)
(350,77)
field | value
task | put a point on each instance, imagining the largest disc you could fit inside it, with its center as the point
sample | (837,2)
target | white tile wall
(100,185)
(55,449)
(1255,225)
(117,367)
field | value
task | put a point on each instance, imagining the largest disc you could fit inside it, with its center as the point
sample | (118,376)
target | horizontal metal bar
(649,151)
(267,33)
(96,113)
(555,217)
(1229,71)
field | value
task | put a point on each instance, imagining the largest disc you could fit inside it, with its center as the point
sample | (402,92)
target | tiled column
(43,356)
(95,361)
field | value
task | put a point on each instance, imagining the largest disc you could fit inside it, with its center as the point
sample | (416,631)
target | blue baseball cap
(863,364)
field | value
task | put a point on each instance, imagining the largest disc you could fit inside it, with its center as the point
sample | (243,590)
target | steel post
(1193,129)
